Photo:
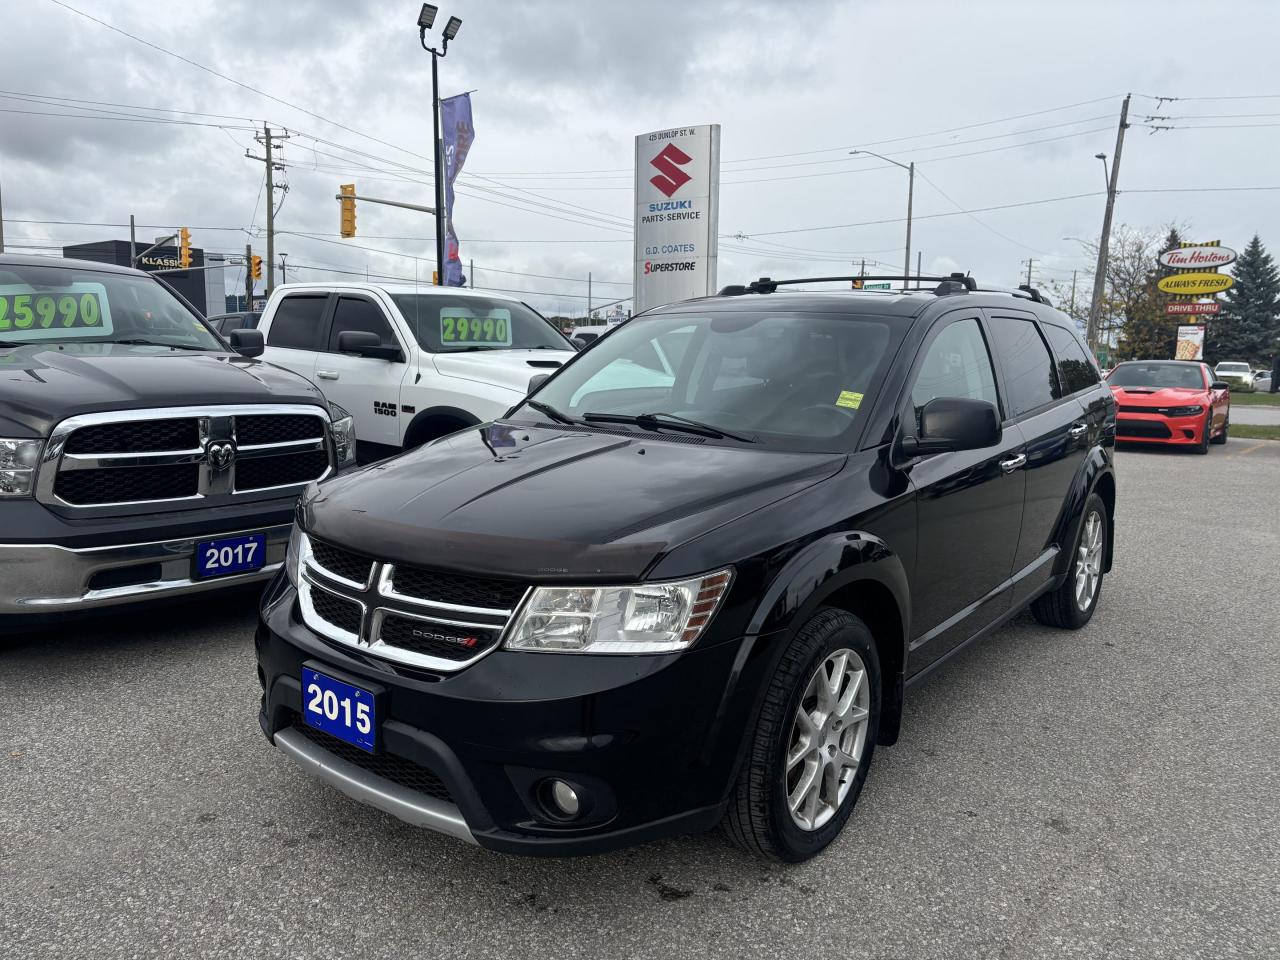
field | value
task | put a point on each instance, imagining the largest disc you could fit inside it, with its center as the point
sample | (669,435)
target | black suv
(689,579)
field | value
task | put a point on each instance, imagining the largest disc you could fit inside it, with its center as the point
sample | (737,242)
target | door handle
(1077,430)
(1013,463)
(327,374)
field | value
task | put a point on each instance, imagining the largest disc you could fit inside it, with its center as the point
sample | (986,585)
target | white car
(411,363)
(1237,373)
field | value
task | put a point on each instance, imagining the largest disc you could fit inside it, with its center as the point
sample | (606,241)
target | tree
(1148,333)
(1250,321)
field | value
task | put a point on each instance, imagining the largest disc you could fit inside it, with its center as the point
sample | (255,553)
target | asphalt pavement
(1113,792)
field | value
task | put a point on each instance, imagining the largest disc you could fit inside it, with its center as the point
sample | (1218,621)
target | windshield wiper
(550,411)
(669,420)
(156,343)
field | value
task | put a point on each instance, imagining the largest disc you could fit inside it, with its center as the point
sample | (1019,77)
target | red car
(1170,401)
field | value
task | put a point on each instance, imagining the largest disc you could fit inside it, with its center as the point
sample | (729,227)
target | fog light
(565,798)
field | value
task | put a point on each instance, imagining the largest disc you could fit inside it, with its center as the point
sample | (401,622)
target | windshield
(1157,375)
(443,323)
(1232,368)
(800,380)
(54,304)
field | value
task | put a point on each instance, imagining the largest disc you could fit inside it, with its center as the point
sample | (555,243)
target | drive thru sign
(677,199)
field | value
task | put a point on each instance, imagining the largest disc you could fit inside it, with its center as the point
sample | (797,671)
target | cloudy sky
(1000,105)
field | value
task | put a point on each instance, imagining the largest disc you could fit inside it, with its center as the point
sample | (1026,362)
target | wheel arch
(436,422)
(1095,476)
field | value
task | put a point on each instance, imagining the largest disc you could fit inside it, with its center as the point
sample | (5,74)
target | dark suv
(687,582)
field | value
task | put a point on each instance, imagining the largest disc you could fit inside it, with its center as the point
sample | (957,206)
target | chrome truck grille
(176,454)
(421,618)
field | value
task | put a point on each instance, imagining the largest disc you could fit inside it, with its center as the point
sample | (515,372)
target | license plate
(217,558)
(340,709)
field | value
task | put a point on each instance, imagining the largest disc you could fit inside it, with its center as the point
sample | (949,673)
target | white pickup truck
(410,363)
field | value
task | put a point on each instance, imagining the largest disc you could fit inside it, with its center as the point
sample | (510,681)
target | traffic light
(184,247)
(348,203)
(255,267)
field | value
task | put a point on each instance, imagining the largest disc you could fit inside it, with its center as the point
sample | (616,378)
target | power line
(984,225)
(388,276)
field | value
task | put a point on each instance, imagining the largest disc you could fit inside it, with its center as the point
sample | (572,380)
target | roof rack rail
(954,283)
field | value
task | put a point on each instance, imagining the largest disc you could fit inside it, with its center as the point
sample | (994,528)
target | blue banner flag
(458,135)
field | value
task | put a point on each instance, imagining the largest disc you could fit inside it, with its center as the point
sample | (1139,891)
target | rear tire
(1065,607)
(1226,425)
(813,741)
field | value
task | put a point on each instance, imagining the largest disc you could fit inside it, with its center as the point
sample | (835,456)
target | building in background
(202,288)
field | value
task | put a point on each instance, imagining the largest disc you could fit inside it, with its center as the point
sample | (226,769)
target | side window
(297,323)
(956,364)
(1075,370)
(1028,368)
(357,313)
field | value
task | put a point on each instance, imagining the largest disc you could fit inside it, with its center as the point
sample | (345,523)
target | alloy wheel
(827,738)
(1089,561)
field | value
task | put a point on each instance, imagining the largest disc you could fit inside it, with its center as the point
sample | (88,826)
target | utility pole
(1100,274)
(919,261)
(471,273)
(1073,294)
(862,267)
(267,139)
(248,276)
(133,242)
(588,294)
(2,223)
(911,189)
(1030,262)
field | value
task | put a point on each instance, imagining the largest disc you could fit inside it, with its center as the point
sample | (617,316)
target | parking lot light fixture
(427,17)
(451,28)
(911,187)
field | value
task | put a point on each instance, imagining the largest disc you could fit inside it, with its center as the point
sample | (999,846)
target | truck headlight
(343,428)
(18,461)
(643,618)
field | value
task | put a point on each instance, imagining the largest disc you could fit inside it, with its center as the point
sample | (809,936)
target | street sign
(1195,284)
(1199,257)
(1192,309)
(877,286)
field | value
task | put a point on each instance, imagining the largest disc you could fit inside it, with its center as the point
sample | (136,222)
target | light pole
(1106,171)
(425,19)
(911,188)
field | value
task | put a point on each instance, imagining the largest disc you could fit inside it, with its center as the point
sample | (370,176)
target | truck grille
(182,453)
(418,617)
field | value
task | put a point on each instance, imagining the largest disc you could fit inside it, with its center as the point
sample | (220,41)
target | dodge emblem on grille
(221,454)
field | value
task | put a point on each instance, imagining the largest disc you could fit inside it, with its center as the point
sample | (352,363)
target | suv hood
(538,503)
(42,385)
(505,368)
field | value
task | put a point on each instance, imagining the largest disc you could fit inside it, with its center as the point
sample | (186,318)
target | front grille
(128,484)
(1129,408)
(436,639)
(281,470)
(142,436)
(273,428)
(342,563)
(336,611)
(398,770)
(452,588)
(1154,429)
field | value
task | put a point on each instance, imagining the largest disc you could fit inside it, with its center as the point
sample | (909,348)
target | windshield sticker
(849,399)
(31,313)
(460,327)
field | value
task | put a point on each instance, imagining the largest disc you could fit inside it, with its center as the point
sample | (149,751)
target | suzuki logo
(220,454)
(668,162)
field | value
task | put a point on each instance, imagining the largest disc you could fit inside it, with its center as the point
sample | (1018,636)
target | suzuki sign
(677,197)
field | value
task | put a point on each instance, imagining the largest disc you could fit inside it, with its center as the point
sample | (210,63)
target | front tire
(1226,425)
(1203,447)
(813,742)
(1071,606)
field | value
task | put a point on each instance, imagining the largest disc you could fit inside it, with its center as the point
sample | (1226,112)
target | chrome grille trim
(378,600)
(216,423)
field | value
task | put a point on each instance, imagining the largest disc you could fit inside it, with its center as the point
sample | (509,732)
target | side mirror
(365,344)
(247,342)
(1220,385)
(578,343)
(954,423)
(537,380)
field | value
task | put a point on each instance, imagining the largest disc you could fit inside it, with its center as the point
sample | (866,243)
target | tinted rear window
(1028,370)
(1075,370)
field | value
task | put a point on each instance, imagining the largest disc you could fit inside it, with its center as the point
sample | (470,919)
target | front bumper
(1157,428)
(651,743)
(45,578)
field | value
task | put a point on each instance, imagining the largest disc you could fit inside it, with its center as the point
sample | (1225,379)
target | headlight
(344,436)
(644,618)
(18,460)
(1185,411)
(293,555)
